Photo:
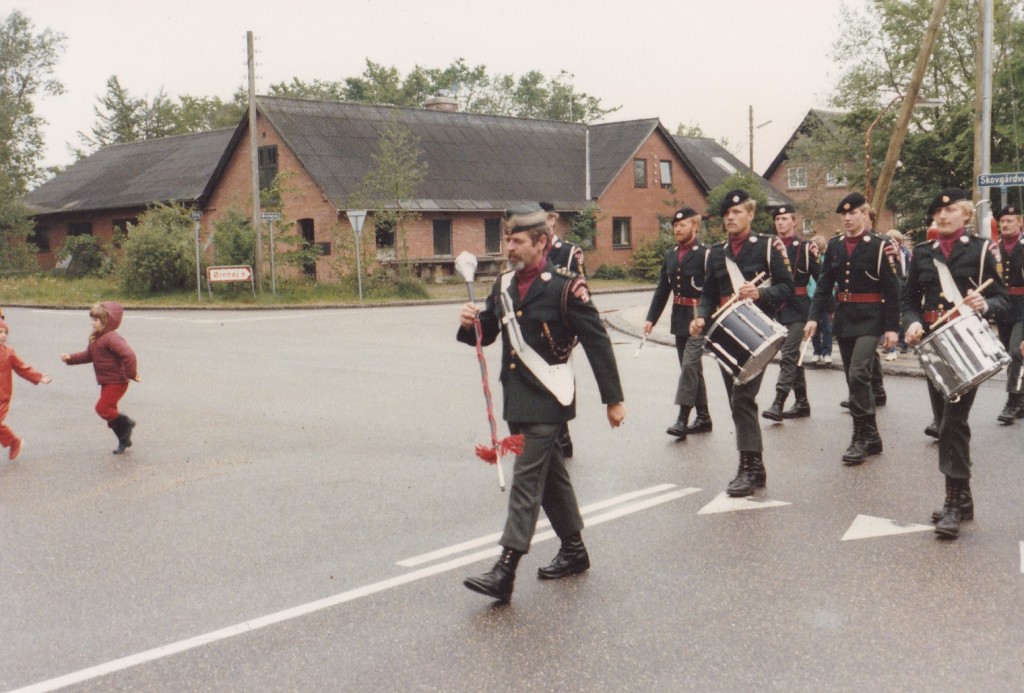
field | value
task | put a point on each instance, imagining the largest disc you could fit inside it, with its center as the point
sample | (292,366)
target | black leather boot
(1013,406)
(122,427)
(571,559)
(498,581)
(948,526)
(871,439)
(855,453)
(966,504)
(774,412)
(679,429)
(701,422)
(932,429)
(750,475)
(801,407)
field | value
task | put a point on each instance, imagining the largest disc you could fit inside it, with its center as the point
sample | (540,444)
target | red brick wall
(56,229)
(642,205)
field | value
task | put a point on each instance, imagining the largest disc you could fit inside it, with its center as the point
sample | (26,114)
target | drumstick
(945,316)
(642,342)
(803,351)
(736,296)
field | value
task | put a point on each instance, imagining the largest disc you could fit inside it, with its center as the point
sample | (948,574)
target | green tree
(17,254)
(159,253)
(877,54)
(397,173)
(27,64)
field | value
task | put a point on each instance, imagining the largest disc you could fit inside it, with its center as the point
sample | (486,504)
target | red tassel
(512,444)
(487,454)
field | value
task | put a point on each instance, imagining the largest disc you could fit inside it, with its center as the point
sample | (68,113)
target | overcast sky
(699,62)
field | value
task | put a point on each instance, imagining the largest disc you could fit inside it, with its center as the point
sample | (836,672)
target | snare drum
(743,340)
(961,355)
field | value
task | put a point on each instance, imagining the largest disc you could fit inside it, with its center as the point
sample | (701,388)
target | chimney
(441,103)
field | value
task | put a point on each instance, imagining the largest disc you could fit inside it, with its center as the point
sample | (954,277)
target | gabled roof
(714,163)
(180,169)
(475,162)
(614,145)
(814,118)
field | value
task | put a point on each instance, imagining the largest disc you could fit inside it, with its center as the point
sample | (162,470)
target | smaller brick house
(814,188)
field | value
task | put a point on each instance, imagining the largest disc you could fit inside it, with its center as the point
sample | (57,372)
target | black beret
(684,213)
(851,202)
(731,199)
(547,206)
(525,217)
(1008,211)
(783,209)
(945,198)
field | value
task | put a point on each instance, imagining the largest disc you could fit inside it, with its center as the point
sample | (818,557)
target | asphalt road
(303,501)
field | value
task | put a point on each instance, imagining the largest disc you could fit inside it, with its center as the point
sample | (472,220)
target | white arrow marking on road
(723,503)
(541,536)
(867,526)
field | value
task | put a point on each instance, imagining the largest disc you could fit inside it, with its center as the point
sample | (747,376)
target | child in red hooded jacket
(114,363)
(10,363)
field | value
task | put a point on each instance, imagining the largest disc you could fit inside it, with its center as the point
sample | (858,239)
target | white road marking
(867,527)
(723,503)
(156,653)
(492,538)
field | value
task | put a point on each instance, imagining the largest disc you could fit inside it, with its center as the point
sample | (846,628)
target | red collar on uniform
(526,276)
(946,242)
(737,243)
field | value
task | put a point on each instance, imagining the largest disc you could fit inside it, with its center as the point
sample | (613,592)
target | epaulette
(564,272)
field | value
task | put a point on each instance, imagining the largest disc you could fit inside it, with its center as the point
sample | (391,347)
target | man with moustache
(750,254)
(550,309)
(867,289)
(803,263)
(682,277)
(1010,248)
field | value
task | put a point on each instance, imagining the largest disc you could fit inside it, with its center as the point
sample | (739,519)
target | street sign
(270,216)
(195,215)
(999,180)
(232,273)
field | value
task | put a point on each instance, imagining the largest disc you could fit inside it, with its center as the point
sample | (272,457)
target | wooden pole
(257,223)
(899,134)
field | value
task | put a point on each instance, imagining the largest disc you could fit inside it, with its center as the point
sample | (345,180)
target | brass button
(511,366)
(519,313)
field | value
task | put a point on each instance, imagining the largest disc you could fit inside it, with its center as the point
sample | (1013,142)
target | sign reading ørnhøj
(231,273)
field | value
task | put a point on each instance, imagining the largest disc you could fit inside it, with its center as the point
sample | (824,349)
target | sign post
(195,215)
(356,217)
(272,217)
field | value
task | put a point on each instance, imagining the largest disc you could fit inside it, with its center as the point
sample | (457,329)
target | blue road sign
(998,180)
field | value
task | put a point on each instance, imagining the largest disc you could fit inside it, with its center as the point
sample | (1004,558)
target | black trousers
(859,354)
(954,432)
(691,390)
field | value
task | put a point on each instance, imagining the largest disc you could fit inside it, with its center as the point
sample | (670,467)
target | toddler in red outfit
(115,364)
(10,363)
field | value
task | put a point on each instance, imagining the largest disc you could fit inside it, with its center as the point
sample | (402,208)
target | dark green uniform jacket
(758,254)
(869,270)
(566,255)
(526,399)
(804,265)
(684,279)
(1013,275)
(970,263)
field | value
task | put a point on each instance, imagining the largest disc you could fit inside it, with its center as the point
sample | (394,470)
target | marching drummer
(731,267)
(942,272)
(857,266)
(682,276)
(803,263)
(1011,326)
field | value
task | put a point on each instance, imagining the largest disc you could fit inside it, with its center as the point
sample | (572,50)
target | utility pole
(899,134)
(983,113)
(257,223)
(751,111)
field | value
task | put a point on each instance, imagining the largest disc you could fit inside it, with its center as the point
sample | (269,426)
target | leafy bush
(234,241)
(648,258)
(610,272)
(88,258)
(159,254)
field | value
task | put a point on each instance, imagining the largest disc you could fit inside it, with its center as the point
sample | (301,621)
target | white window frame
(833,180)
(618,225)
(796,177)
(665,171)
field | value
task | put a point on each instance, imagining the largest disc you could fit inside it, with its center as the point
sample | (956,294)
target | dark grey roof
(170,169)
(814,118)
(714,163)
(612,146)
(475,162)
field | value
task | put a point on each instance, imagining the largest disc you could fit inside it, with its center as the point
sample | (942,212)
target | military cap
(547,206)
(945,198)
(783,209)
(684,213)
(731,199)
(525,217)
(851,202)
(1008,211)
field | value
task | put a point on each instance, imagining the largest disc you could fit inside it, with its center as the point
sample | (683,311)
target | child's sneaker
(16,448)
(827,359)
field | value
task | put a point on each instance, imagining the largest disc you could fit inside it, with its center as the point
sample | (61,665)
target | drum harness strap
(557,378)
